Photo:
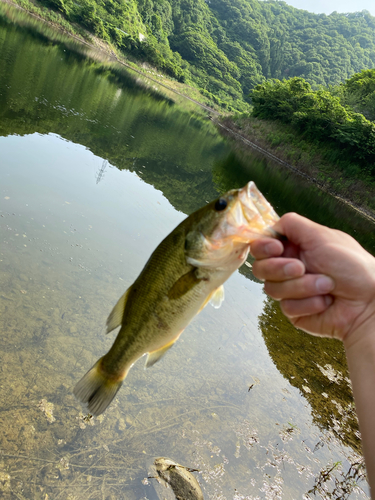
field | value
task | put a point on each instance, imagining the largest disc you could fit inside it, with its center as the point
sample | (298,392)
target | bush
(319,116)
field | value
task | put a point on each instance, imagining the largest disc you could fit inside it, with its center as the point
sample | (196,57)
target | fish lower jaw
(235,258)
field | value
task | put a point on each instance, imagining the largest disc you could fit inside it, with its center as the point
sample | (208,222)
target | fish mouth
(251,198)
(251,215)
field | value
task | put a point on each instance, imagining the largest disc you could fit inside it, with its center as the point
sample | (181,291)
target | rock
(177,478)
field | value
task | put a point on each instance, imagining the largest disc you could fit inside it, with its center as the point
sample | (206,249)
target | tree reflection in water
(317,367)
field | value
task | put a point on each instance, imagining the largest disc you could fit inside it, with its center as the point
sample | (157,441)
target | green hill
(227,47)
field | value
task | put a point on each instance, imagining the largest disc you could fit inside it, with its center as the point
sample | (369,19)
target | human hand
(324,279)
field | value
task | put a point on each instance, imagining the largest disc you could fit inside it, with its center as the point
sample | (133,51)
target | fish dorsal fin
(115,318)
(183,285)
(217,298)
(154,356)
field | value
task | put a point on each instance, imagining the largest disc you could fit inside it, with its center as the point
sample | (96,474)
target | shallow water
(94,173)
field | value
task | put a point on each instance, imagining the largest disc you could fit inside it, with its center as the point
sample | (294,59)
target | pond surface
(95,171)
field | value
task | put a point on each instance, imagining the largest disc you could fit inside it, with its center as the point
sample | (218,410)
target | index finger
(265,248)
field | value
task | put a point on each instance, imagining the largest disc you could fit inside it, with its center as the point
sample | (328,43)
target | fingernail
(292,269)
(324,284)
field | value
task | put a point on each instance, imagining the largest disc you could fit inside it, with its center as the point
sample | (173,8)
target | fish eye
(221,204)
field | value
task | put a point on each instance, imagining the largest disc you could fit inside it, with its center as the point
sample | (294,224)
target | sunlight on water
(94,174)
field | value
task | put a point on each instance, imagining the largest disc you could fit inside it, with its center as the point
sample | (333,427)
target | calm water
(95,171)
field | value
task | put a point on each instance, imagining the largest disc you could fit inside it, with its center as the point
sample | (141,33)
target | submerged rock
(177,478)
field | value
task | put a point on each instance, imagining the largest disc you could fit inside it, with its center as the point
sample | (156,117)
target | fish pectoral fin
(217,298)
(115,318)
(183,285)
(154,356)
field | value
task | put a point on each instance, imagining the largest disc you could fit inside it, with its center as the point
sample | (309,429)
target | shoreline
(244,141)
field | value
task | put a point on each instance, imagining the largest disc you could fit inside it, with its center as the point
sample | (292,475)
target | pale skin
(325,282)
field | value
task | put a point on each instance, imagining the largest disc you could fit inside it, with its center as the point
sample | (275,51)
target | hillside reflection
(49,89)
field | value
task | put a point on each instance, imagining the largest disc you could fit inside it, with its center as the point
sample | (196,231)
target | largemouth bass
(185,272)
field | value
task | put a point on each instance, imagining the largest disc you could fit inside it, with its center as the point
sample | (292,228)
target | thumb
(315,324)
(300,230)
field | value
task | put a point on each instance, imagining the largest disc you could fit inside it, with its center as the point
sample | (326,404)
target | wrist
(360,353)
(362,334)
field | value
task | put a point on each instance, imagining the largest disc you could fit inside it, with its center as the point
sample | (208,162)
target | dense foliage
(359,93)
(320,116)
(226,47)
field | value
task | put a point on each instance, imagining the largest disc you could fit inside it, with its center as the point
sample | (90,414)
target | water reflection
(317,367)
(67,253)
(49,89)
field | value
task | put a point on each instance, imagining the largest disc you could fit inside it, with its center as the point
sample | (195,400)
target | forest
(335,116)
(227,47)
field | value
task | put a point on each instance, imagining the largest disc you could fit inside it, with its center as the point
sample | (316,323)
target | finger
(307,285)
(278,269)
(293,308)
(298,229)
(266,247)
(291,250)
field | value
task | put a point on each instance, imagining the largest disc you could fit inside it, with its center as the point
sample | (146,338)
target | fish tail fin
(96,389)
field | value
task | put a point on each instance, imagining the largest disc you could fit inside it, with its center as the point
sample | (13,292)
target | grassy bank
(311,160)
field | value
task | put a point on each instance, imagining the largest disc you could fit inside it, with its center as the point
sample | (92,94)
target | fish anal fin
(154,356)
(183,285)
(115,318)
